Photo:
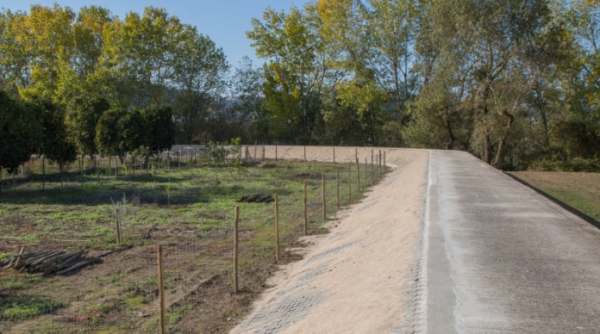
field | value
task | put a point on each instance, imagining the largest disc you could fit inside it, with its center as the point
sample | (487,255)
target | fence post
(372,168)
(80,170)
(357,174)
(275,152)
(349,183)
(366,172)
(305,210)
(337,195)
(356,153)
(263,153)
(161,290)
(235,249)
(380,160)
(43,172)
(384,163)
(276,227)
(324,199)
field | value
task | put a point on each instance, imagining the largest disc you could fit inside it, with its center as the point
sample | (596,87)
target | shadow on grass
(562,204)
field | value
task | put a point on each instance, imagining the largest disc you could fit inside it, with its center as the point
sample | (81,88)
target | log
(114,251)
(79,265)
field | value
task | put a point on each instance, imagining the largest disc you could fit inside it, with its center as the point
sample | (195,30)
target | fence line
(157,283)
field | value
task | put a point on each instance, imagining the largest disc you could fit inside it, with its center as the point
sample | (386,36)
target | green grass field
(580,191)
(192,211)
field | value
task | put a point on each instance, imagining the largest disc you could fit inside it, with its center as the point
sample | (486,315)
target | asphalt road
(501,258)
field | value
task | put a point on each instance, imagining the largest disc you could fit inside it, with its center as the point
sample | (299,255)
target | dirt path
(362,277)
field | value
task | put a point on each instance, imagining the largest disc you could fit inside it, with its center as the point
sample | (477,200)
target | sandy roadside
(362,277)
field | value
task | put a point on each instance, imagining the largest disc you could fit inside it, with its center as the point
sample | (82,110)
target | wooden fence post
(235,249)
(324,199)
(305,210)
(275,152)
(161,290)
(43,172)
(337,195)
(276,227)
(372,168)
(349,183)
(366,173)
(80,170)
(384,162)
(357,175)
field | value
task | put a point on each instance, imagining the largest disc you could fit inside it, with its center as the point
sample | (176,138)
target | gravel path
(363,277)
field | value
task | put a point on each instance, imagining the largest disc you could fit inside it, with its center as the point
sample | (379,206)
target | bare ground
(360,278)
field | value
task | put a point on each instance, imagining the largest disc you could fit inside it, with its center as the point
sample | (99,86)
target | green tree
(20,132)
(297,72)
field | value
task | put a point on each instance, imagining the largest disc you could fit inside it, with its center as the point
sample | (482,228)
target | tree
(55,143)
(159,129)
(499,51)
(247,86)
(297,71)
(108,132)
(20,132)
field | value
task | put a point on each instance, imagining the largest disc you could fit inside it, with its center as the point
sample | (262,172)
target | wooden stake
(80,170)
(118,231)
(380,160)
(358,175)
(366,172)
(356,153)
(305,210)
(349,183)
(372,168)
(276,227)
(43,172)
(324,199)
(275,152)
(161,290)
(337,195)
(235,249)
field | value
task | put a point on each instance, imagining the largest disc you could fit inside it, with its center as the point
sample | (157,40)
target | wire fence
(178,278)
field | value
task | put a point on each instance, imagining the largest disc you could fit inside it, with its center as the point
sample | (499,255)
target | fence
(209,271)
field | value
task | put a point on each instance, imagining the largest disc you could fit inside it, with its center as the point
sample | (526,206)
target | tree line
(514,82)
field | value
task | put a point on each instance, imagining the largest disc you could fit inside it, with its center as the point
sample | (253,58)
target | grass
(578,190)
(192,210)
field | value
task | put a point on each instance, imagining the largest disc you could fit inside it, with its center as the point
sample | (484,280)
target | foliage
(20,132)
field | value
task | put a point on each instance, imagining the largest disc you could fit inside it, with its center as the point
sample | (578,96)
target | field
(189,210)
(578,190)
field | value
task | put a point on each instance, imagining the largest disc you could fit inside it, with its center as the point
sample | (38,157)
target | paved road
(503,259)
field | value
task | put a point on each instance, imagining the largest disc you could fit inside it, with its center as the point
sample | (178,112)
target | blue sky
(224,21)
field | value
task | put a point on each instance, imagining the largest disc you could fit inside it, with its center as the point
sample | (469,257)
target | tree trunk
(502,143)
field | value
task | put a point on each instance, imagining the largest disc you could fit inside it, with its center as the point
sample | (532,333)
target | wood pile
(53,262)
(258,198)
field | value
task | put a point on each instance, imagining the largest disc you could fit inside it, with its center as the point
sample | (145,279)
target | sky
(224,21)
